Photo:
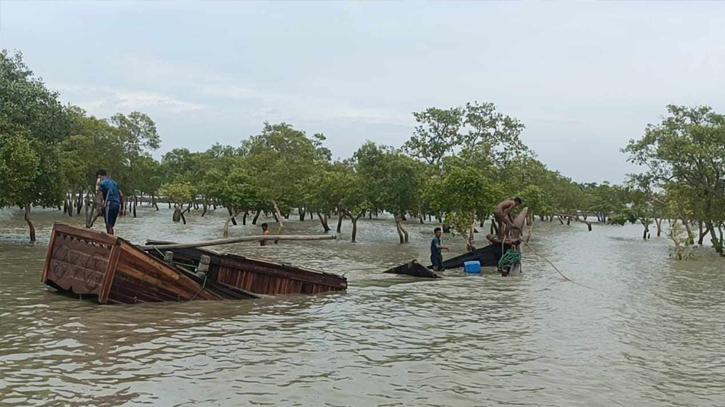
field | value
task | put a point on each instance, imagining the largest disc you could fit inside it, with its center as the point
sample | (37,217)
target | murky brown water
(652,334)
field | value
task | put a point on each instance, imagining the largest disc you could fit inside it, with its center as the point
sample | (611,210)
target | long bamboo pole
(218,242)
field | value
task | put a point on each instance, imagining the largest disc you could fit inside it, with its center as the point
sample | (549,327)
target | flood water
(649,332)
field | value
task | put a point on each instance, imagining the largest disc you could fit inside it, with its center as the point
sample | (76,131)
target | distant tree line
(457,165)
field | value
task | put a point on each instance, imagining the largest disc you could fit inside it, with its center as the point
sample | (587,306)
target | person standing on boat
(502,214)
(265,232)
(110,198)
(436,250)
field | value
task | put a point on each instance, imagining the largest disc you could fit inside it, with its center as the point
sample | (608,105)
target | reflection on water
(649,335)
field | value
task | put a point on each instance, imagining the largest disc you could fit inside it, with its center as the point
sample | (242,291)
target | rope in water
(510,258)
(555,268)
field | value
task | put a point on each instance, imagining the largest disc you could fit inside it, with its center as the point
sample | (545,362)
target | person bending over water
(502,214)
(110,198)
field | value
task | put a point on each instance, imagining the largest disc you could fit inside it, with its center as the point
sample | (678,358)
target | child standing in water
(436,248)
(265,232)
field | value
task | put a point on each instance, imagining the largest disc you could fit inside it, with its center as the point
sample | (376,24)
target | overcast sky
(584,77)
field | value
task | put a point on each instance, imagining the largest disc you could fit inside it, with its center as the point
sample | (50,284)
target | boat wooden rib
(114,271)
(254,275)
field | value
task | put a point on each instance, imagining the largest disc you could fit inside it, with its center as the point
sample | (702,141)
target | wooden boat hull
(413,268)
(111,269)
(258,276)
(488,256)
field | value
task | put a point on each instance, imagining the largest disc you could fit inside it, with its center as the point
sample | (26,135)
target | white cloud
(101,100)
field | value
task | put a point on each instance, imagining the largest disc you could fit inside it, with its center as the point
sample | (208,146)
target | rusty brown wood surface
(88,234)
(77,264)
(110,273)
(261,277)
(89,262)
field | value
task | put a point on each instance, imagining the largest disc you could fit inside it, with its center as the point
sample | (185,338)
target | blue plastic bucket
(472,266)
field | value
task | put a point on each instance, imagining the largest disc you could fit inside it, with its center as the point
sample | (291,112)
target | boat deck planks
(257,276)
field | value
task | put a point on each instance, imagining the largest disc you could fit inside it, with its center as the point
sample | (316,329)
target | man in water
(265,232)
(436,254)
(502,215)
(110,198)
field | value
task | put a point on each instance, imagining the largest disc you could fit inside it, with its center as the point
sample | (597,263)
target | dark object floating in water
(413,268)
(114,271)
(488,256)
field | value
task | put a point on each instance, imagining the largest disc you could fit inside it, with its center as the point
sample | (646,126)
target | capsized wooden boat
(413,268)
(253,275)
(488,256)
(114,271)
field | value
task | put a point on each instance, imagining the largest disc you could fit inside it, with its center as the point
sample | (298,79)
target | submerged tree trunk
(279,219)
(188,208)
(354,220)
(135,202)
(68,205)
(470,240)
(690,235)
(645,223)
(323,221)
(717,243)
(91,210)
(225,232)
(340,217)
(658,222)
(354,228)
(31,225)
(79,203)
(244,218)
(233,219)
(176,217)
(256,216)
(302,213)
(402,233)
(702,233)
(204,208)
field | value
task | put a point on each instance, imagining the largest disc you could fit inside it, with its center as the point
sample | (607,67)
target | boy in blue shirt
(111,199)
(436,254)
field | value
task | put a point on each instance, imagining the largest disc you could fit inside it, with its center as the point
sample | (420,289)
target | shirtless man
(501,213)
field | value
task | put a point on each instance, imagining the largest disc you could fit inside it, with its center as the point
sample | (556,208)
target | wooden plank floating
(218,242)
(253,275)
